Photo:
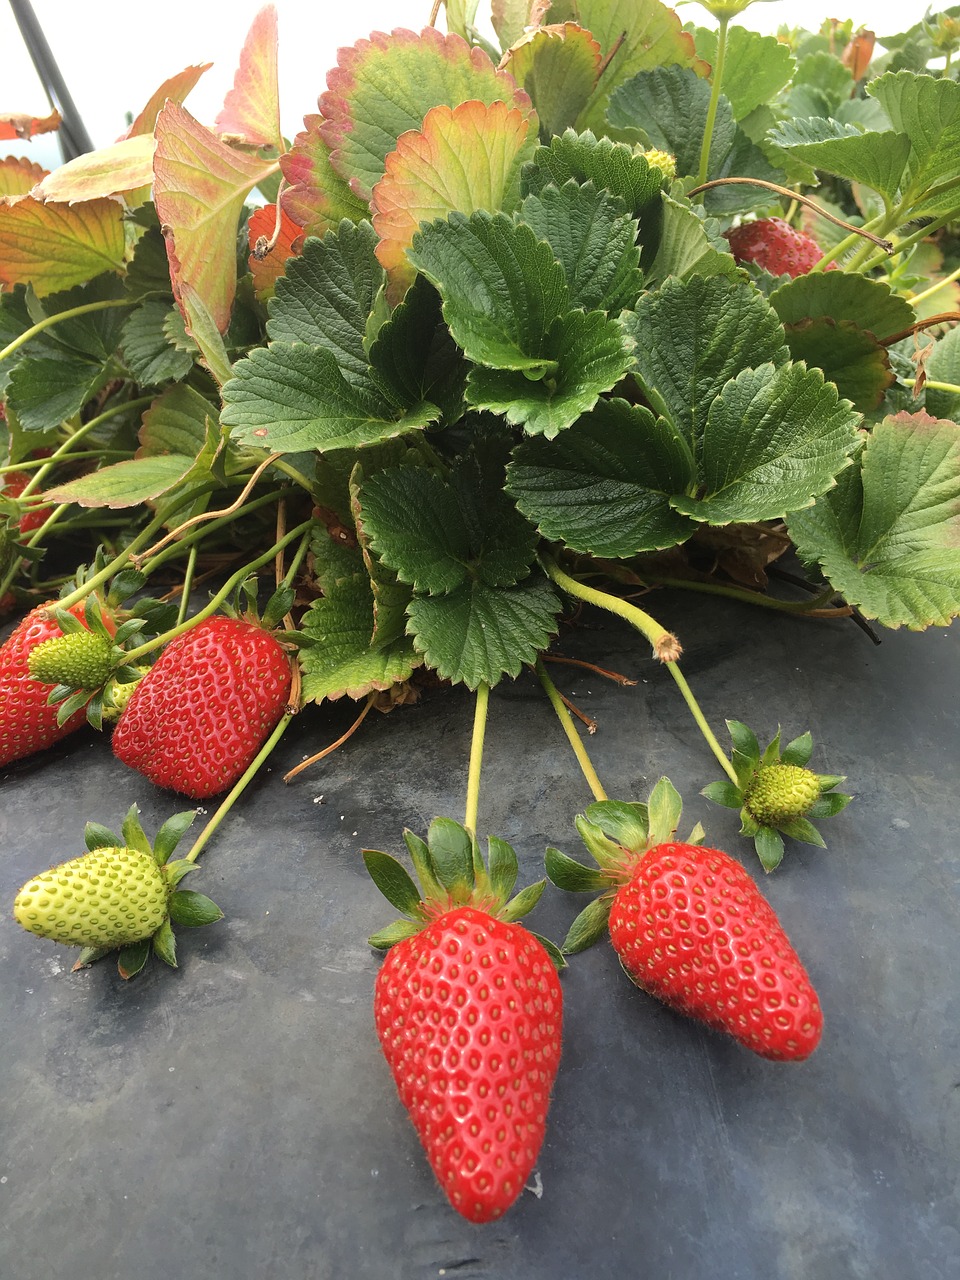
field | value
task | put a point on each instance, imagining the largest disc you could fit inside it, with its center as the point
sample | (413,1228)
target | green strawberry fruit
(779,792)
(107,898)
(83,659)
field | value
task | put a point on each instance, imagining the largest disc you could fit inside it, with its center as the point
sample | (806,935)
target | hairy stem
(714,100)
(476,758)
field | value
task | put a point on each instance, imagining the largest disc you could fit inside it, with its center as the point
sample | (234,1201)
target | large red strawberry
(27,722)
(776,246)
(691,927)
(468,1010)
(201,713)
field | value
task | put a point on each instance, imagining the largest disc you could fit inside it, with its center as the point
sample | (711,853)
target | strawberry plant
(503,334)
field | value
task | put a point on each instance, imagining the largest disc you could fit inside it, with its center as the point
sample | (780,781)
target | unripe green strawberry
(117,694)
(778,792)
(83,660)
(106,898)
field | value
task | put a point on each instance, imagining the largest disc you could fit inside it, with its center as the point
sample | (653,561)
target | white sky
(112,54)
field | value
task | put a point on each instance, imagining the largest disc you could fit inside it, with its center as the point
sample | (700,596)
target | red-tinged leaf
(267,264)
(251,110)
(56,246)
(316,197)
(384,86)
(18,176)
(115,170)
(465,158)
(18,124)
(510,18)
(175,89)
(200,185)
(859,52)
(558,66)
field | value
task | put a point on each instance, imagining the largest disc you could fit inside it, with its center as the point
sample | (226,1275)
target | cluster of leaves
(480,307)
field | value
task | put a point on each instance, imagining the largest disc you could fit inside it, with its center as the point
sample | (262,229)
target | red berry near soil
(201,713)
(27,723)
(469,1017)
(776,247)
(31,520)
(692,928)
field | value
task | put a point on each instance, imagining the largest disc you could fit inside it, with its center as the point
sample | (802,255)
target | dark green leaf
(801,829)
(799,750)
(572,876)
(690,244)
(769,846)
(344,660)
(422,860)
(829,805)
(44,392)
(174,872)
(90,955)
(392,880)
(451,851)
(607,164)
(146,349)
(628,823)
(744,740)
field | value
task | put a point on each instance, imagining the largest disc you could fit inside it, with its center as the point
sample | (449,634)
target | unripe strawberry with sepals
(690,927)
(469,1011)
(775,246)
(28,723)
(776,793)
(198,718)
(120,896)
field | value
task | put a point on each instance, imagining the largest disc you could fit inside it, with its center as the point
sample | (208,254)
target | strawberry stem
(49,321)
(241,785)
(476,758)
(570,729)
(714,99)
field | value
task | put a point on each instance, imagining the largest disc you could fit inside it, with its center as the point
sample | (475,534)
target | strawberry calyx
(618,835)
(121,896)
(452,873)
(776,793)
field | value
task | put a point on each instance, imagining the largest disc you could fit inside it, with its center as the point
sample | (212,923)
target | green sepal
(589,926)
(452,854)
(134,836)
(127,675)
(399,931)
(394,883)
(94,616)
(68,623)
(723,792)
(568,874)
(503,867)
(170,835)
(625,822)
(132,958)
(744,767)
(606,853)
(89,956)
(96,836)
(70,706)
(664,807)
(749,826)
(95,711)
(422,861)
(802,830)
(696,835)
(523,903)
(173,872)
(769,846)
(830,780)
(744,740)
(58,692)
(126,630)
(165,945)
(127,583)
(798,751)
(772,753)
(277,607)
(190,910)
(552,950)
(829,805)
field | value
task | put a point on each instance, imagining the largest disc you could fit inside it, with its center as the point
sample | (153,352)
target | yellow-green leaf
(54,246)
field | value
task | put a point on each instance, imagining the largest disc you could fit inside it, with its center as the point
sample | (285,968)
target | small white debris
(353,833)
(3,1181)
(536,1186)
(901,823)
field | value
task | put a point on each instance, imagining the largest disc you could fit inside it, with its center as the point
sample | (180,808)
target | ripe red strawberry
(201,713)
(27,723)
(776,246)
(690,927)
(468,1010)
(14,484)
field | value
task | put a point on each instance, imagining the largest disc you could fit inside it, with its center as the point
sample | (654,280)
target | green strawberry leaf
(670,106)
(943,365)
(927,110)
(190,909)
(588,927)
(502,866)
(171,833)
(829,805)
(413,358)
(690,244)
(327,294)
(875,159)
(292,397)
(43,391)
(479,633)
(774,439)
(165,945)
(132,958)
(96,836)
(849,357)
(755,69)
(176,871)
(134,836)
(594,240)
(870,304)
(344,661)
(146,349)
(393,881)
(89,956)
(566,873)
(559,67)
(769,846)
(604,485)
(608,165)
(886,537)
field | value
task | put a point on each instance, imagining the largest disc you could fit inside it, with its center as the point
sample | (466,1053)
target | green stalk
(297,560)
(199,532)
(570,729)
(229,586)
(49,321)
(714,100)
(909,241)
(666,647)
(187,584)
(743,593)
(240,786)
(71,441)
(476,758)
(937,386)
(935,288)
